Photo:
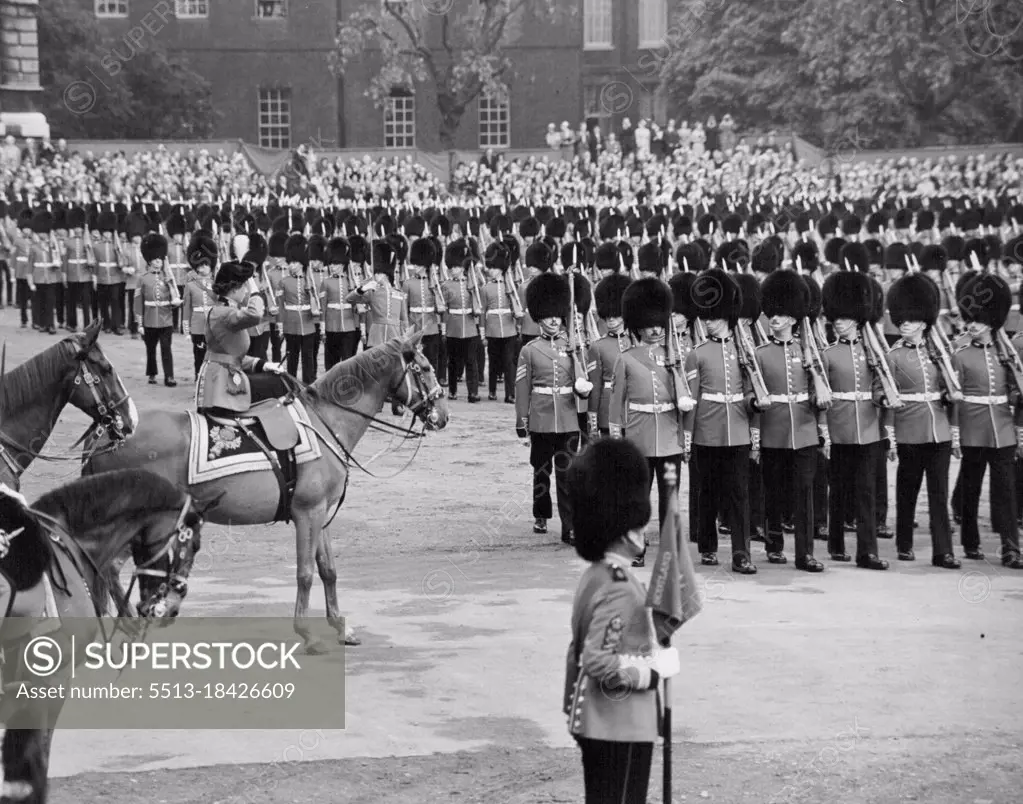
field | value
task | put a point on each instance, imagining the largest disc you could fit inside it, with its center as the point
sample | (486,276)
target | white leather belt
(547,390)
(108,265)
(460,311)
(929,396)
(157,304)
(1001,399)
(657,407)
(297,308)
(76,262)
(422,309)
(608,384)
(852,396)
(944,311)
(724,399)
(201,309)
(338,306)
(499,311)
(786,398)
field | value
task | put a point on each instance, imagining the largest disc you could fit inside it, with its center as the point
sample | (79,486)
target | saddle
(272,428)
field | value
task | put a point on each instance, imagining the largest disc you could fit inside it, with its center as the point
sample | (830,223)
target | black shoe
(725,530)
(473,399)
(885,532)
(118,332)
(871,562)
(821,534)
(844,557)
(776,558)
(809,564)
(51,331)
(907,555)
(152,380)
(948,561)
(757,535)
(170,382)
(849,527)
(743,566)
(509,400)
(539,525)
(709,559)
(974,555)
(491,397)
(1012,561)
(452,396)
(641,561)
(567,538)
(788,527)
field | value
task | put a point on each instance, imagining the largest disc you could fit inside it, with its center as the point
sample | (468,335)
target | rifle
(746,353)
(575,348)
(815,366)
(683,393)
(1009,357)
(939,353)
(878,363)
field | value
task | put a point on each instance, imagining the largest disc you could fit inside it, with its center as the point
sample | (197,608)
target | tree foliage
(846,73)
(455,47)
(97,86)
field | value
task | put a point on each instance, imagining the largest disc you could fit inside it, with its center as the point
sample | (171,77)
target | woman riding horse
(230,381)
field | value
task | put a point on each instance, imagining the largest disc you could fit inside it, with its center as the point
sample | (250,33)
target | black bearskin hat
(607,295)
(539,256)
(690,257)
(785,293)
(202,250)
(751,292)
(805,256)
(766,258)
(609,483)
(715,295)
(296,250)
(681,285)
(76,218)
(338,251)
(384,258)
(257,251)
(496,256)
(153,247)
(583,293)
(649,257)
(894,258)
(548,296)
(456,253)
(646,303)
(422,253)
(277,244)
(833,250)
(607,257)
(913,297)
(855,256)
(847,294)
(986,298)
(231,276)
(933,258)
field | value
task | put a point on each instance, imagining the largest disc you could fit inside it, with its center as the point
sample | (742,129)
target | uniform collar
(621,334)
(849,340)
(714,339)
(981,344)
(780,342)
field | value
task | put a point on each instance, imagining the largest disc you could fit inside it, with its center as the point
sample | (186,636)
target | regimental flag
(672,595)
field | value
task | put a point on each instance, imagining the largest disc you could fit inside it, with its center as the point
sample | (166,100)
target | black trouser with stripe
(501,352)
(79,293)
(258,345)
(462,354)
(276,340)
(24,295)
(153,336)
(915,462)
(6,283)
(108,300)
(198,351)
(1001,490)
(788,482)
(338,346)
(854,470)
(723,477)
(552,453)
(302,347)
(431,348)
(44,301)
(128,309)
(615,773)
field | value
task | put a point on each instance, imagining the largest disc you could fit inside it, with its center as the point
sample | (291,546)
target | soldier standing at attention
(545,408)
(177,260)
(152,308)
(462,330)
(44,273)
(340,323)
(923,431)
(499,320)
(613,667)
(276,270)
(197,301)
(387,317)
(296,311)
(79,271)
(425,303)
(605,351)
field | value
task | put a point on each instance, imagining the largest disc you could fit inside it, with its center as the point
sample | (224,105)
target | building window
(495,122)
(111,8)
(191,9)
(597,24)
(653,23)
(595,107)
(275,118)
(271,9)
(400,120)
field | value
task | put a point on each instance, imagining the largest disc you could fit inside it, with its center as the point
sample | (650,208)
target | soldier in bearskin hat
(788,429)
(987,433)
(718,431)
(853,435)
(154,301)
(923,431)
(605,351)
(461,321)
(611,626)
(502,310)
(644,406)
(24,284)
(223,387)
(79,271)
(545,391)
(198,299)
(387,315)
(45,264)
(298,309)
(424,298)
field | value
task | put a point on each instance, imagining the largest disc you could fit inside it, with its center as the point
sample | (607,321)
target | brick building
(267,62)
(20,91)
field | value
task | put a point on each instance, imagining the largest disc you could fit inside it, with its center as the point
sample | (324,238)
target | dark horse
(33,395)
(342,404)
(78,534)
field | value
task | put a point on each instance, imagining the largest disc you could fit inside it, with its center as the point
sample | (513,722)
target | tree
(841,71)
(461,60)
(94,87)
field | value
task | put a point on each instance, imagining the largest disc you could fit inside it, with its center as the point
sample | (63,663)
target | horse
(342,404)
(33,394)
(77,533)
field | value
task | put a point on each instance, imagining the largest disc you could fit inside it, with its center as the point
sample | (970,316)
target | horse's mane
(29,552)
(22,384)
(359,370)
(90,501)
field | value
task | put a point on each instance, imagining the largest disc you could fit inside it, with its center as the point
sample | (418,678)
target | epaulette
(831,345)
(617,573)
(964,346)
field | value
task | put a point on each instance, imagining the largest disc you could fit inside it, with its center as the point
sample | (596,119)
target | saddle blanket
(218,448)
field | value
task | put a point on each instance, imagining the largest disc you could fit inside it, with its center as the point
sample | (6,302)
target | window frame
(282,96)
(110,15)
(205,15)
(492,121)
(282,3)
(391,102)
(605,9)
(649,7)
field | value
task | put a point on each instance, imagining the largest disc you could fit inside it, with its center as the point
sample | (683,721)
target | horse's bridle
(106,409)
(424,408)
(173,578)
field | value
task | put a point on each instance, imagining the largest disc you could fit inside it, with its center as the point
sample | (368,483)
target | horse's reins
(180,535)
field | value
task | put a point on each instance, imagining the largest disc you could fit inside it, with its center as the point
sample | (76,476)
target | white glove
(371,285)
(583,387)
(273,368)
(666,663)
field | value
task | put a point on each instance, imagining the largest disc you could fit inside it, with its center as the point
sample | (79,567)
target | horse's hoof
(351,640)
(316,648)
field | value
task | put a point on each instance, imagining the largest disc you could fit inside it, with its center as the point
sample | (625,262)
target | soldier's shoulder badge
(613,633)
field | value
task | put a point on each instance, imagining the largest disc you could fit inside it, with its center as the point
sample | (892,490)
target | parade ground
(851,686)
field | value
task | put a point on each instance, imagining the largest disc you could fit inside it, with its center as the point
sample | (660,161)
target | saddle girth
(285,469)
